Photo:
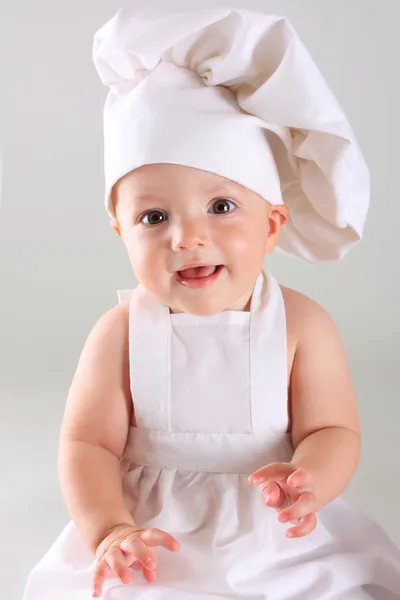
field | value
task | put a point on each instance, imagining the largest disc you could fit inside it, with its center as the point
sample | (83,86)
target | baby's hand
(129,546)
(290,491)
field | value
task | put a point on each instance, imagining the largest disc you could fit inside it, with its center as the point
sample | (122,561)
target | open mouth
(196,277)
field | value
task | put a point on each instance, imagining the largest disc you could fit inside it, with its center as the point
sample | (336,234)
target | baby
(210,381)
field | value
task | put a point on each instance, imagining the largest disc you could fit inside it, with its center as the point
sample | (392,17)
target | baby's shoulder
(118,315)
(297,303)
(111,328)
(306,320)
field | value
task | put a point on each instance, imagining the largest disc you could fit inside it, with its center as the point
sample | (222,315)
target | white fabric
(187,471)
(236,93)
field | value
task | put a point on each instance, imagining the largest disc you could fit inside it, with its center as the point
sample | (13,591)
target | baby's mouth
(198,272)
(198,277)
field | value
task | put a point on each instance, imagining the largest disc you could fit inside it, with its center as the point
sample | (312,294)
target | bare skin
(323,418)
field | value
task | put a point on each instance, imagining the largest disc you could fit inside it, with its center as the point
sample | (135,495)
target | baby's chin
(204,307)
(199,302)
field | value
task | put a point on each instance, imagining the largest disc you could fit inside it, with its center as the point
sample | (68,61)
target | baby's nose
(189,235)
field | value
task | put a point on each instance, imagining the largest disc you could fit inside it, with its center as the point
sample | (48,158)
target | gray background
(60,263)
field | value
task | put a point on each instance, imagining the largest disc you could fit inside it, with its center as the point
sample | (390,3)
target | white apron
(210,398)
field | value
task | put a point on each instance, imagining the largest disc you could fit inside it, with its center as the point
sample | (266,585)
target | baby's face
(195,240)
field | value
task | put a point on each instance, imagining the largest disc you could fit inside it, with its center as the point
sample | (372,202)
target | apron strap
(268,356)
(149,349)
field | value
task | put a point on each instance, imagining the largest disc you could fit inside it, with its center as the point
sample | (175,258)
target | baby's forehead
(159,178)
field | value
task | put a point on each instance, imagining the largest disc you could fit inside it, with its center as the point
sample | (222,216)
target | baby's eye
(222,206)
(153,217)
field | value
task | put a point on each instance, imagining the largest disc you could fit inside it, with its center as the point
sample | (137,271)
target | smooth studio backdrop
(61,264)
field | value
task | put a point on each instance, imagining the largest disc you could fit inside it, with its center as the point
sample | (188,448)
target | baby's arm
(95,429)
(325,427)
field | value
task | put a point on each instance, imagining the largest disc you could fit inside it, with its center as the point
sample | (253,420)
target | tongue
(196,272)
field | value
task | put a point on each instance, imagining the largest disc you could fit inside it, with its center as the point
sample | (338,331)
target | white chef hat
(235,93)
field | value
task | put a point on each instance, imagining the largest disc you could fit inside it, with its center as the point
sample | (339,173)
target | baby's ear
(115,225)
(277,218)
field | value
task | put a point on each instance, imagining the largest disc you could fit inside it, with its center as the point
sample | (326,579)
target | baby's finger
(117,562)
(99,577)
(307,525)
(272,494)
(157,537)
(300,478)
(272,472)
(135,548)
(149,574)
(305,505)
